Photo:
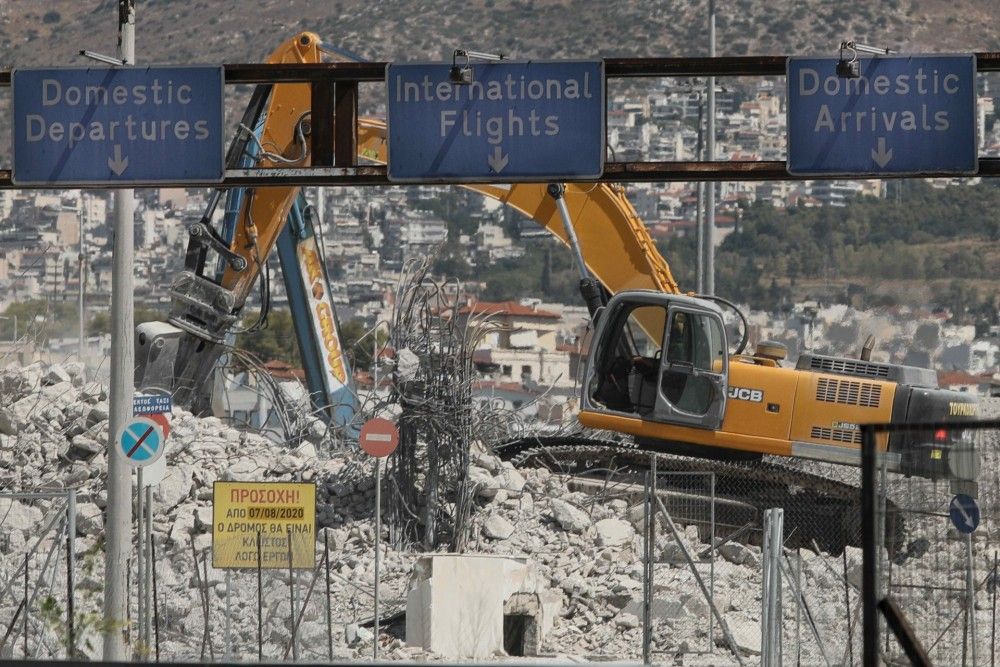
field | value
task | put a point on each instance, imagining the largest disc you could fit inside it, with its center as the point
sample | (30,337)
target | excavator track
(819,512)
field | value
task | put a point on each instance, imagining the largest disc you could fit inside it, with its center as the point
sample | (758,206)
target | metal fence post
(770,630)
(993,619)
(647,592)
(869,610)
(70,571)
(711,566)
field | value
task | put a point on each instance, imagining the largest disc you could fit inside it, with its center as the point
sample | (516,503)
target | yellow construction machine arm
(265,211)
(615,244)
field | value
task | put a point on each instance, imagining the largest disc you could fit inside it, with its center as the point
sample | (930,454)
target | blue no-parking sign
(141,441)
(902,115)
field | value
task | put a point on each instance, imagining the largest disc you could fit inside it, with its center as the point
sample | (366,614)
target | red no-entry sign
(379,437)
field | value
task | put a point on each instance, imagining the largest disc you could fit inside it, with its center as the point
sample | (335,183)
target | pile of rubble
(53,424)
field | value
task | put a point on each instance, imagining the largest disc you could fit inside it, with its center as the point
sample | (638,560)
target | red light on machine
(941,435)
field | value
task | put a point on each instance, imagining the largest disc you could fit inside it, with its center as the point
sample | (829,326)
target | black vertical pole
(156,604)
(993,632)
(888,580)
(647,585)
(27,556)
(208,616)
(329,612)
(869,555)
(70,639)
(291,593)
(847,606)
(260,607)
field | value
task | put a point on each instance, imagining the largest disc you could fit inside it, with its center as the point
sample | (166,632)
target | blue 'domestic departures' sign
(964,513)
(902,115)
(141,441)
(151,404)
(515,121)
(120,125)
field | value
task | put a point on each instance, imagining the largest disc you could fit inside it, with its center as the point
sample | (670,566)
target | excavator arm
(615,245)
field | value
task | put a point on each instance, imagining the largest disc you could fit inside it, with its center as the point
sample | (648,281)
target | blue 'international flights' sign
(118,126)
(902,115)
(527,121)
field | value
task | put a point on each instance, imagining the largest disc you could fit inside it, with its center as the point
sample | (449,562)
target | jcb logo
(742,394)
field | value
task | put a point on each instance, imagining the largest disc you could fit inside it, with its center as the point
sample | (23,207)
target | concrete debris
(354,633)
(89,519)
(745,632)
(660,609)
(569,517)
(497,528)
(407,364)
(613,532)
(736,553)
(585,550)
(627,621)
(56,374)
(18,516)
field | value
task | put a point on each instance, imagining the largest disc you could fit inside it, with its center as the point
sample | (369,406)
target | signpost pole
(119,509)
(150,566)
(329,610)
(80,332)
(970,584)
(291,596)
(229,616)
(379,438)
(260,606)
(140,559)
(378,546)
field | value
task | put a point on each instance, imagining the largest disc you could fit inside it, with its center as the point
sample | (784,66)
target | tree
(274,342)
(357,346)
(451,262)
(100,322)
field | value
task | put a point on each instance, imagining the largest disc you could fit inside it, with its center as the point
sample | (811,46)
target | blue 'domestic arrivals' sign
(515,121)
(902,115)
(120,125)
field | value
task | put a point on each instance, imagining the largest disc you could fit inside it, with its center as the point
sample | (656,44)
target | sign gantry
(335,87)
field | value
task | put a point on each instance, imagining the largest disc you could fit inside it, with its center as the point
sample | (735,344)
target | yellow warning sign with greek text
(266,522)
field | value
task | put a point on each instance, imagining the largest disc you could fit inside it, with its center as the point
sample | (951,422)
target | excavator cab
(661,358)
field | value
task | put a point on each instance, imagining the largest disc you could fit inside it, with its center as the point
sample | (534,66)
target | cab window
(695,345)
(627,378)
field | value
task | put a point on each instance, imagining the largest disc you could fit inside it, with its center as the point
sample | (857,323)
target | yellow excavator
(660,368)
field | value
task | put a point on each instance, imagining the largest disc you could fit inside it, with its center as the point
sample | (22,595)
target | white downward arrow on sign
(498,160)
(961,510)
(119,164)
(881,156)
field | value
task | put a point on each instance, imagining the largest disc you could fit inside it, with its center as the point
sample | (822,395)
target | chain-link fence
(704,577)
(37,565)
(944,581)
